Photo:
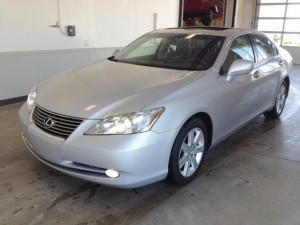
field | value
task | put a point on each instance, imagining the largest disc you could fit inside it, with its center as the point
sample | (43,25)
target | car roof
(218,31)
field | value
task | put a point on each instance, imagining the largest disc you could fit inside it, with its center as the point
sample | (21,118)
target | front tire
(276,111)
(188,152)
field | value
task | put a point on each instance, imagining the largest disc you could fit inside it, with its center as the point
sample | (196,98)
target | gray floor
(253,178)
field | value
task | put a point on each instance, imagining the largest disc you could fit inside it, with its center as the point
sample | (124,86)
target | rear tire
(188,152)
(281,96)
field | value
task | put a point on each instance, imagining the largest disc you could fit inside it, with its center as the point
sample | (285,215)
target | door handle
(257,74)
(281,63)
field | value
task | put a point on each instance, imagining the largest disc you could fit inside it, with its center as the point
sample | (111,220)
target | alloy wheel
(191,152)
(280,99)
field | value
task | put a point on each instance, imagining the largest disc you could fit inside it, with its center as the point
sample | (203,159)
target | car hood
(102,88)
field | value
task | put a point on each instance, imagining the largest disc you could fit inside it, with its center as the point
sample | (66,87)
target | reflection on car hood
(106,87)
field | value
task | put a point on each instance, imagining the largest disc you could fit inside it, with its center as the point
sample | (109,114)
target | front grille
(54,123)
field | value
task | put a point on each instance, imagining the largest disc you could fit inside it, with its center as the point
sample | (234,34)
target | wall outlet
(86,43)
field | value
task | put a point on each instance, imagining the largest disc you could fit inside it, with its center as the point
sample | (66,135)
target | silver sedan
(154,109)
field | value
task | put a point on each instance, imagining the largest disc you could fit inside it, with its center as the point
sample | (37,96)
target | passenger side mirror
(115,52)
(239,67)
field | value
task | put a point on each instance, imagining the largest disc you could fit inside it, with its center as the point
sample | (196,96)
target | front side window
(173,51)
(240,48)
(263,47)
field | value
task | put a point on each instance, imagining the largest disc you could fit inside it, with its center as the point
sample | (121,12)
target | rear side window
(263,47)
(240,48)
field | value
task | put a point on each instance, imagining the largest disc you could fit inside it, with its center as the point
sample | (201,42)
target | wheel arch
(208,124)
(173,169)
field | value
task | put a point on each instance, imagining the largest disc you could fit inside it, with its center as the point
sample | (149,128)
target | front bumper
(140,159)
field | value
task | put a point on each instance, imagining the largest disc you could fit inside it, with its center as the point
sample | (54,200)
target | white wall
(25,24)
(31,50)
(229,13)
(19,71)
(128,19)
(245,10)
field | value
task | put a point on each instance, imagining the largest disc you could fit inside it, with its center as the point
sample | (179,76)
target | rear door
(270,69)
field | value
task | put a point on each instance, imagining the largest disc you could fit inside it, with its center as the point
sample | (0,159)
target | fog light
(112,173)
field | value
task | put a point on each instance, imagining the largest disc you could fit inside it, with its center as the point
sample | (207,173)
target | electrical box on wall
(71,30)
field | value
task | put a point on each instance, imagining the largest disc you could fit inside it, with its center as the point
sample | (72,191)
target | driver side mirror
(239,67)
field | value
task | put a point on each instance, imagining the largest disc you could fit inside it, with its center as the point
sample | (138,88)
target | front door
(239,97)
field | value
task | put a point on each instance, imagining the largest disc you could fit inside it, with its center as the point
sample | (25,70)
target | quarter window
(240,48)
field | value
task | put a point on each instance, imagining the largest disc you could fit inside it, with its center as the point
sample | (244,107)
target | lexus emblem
(48,122)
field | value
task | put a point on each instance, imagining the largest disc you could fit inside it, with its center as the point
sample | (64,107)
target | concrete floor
(252,178)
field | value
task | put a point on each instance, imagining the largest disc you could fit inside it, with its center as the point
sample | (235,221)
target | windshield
(174,51)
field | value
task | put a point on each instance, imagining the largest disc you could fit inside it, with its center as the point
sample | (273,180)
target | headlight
(31,98)
(129,123)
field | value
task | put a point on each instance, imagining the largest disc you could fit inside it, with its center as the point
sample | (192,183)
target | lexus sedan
(154,109)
